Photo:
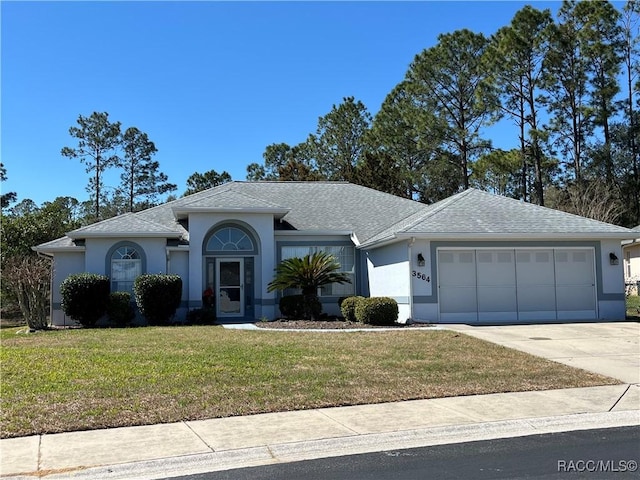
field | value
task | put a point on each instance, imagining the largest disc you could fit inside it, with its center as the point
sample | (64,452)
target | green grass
(84,379)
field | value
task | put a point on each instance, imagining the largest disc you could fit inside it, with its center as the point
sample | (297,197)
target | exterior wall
(65,264)
(389,273)
(179,265)
(631,266)
(611,300)
(94,260)
(200,224)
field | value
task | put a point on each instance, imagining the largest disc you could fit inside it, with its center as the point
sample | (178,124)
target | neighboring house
(631,255)
(474,257)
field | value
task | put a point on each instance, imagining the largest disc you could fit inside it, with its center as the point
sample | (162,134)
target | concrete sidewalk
(166,450)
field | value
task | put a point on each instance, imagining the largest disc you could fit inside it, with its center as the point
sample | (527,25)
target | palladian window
(230,239)
(126,266)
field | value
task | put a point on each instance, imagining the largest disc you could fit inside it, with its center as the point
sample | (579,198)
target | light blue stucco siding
(389,273)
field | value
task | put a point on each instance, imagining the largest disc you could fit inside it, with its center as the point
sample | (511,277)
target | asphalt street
(598,454)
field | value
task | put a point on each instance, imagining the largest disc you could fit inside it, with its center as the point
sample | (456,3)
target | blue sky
(211,83)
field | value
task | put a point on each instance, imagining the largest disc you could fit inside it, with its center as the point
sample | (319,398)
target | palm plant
(308,274)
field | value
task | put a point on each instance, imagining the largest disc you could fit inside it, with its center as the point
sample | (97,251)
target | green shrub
(300,306)
(119,309)
(348,308)
(85,297)
(201,316)
(158,296)
(377,311)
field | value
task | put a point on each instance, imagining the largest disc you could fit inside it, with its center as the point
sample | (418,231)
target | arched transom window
(230,239)
(126,266)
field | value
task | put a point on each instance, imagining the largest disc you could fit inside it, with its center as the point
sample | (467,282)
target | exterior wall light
(613,259)
(420,260)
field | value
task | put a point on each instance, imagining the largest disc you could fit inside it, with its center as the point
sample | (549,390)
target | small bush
(348,308)
(377,311)
(85,297)
(300,307)
(201,316)
(158,297)
(120,310)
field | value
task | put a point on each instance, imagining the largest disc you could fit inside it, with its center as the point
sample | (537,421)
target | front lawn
(84,379)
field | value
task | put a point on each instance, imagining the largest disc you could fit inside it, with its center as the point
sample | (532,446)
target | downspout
(411,242)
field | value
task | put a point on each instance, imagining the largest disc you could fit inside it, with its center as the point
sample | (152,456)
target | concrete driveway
(611,349)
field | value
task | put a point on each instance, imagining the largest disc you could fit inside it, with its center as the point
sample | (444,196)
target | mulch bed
(331,324)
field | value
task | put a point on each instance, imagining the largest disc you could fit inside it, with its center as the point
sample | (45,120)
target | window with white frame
(345,255)
(126,266)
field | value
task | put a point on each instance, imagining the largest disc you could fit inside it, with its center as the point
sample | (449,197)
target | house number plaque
(420,276)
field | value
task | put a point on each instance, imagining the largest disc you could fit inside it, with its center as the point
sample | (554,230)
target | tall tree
(410,135)
(451,79)
(339,141)
(6,198)
(98,140)
(285,163)
(499,172)
(628,136)
(379,171)
(516,57)
(140,176)
(198,182)
(602,41)
(566,91)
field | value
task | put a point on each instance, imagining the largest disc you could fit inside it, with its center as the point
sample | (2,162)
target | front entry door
(229,287)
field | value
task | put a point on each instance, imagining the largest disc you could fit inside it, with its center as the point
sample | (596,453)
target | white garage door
(506,285)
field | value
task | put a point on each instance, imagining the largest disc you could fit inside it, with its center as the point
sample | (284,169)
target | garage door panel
(534,267)
(458,300)
(537,299)
(497,299)
(574,267)
(575,298)
(458,268)
(496,268)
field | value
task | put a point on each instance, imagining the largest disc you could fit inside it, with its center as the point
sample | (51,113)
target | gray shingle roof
(129,223)
(475,212)
(371,215)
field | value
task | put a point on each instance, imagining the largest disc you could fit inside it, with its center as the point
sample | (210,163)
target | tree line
(568,85)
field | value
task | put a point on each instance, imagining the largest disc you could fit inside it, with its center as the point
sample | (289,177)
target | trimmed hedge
(120,310)
(348,308)
(377,311)
(300,307)
(85,297)
(158,296)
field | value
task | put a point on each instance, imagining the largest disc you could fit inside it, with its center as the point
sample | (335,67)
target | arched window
(230,239)
(126,266)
